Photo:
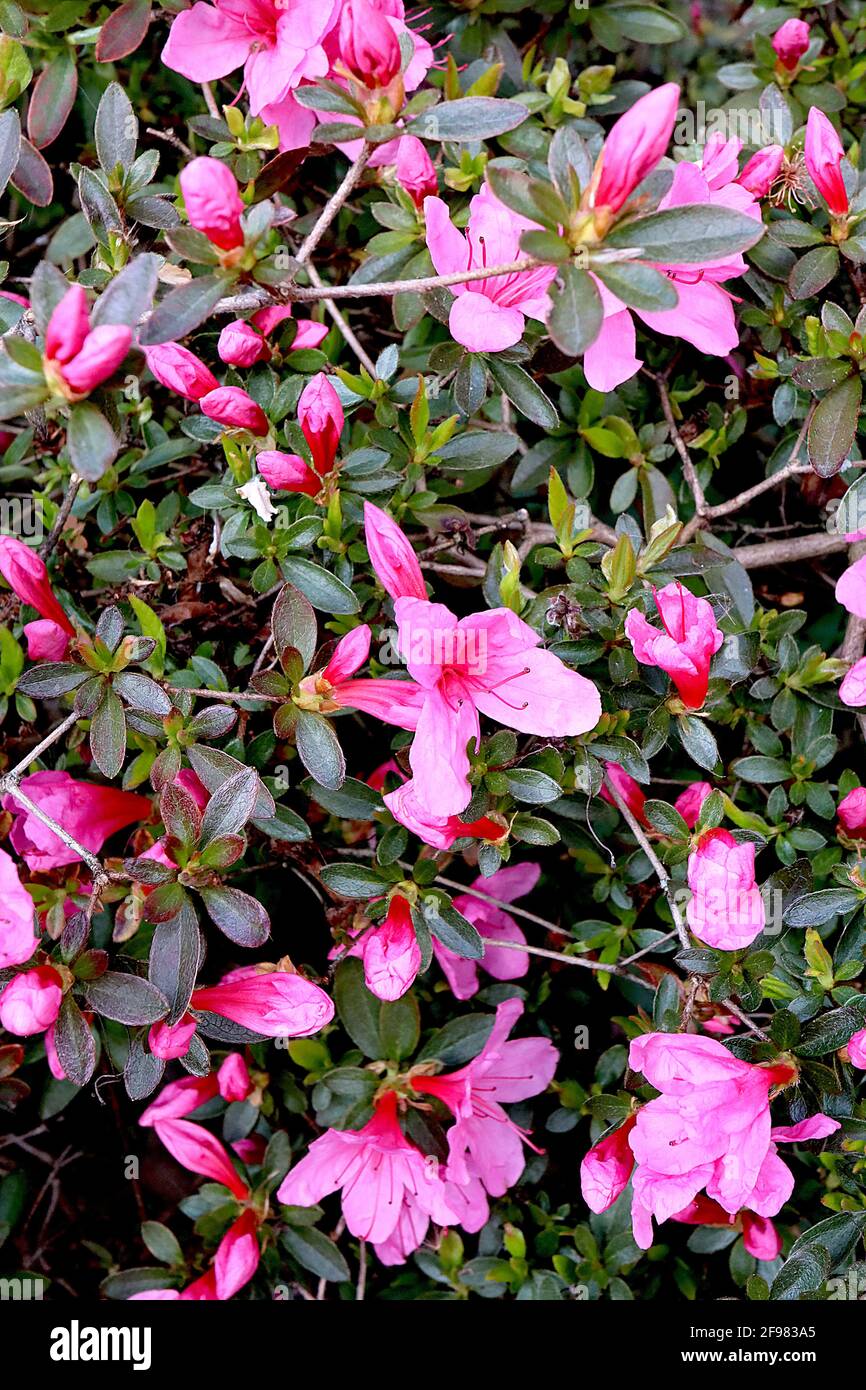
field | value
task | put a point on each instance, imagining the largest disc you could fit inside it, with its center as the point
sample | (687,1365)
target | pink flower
(321,418)
(857,1049)
(369,48)
(709,1130)
(78,357)
(309,333)
(271,1003)
(726,910)
(231,406)
(393,701)
(180,370)
(631,792)
(90,813)
(606,1169)
(852,814)
(851,588)
(489,663)
(415,170)
(487,315)
(852,691)
(390,952)
(762,170)
(27,577)
(689,802)
(233,1078)
(790,42)
(18,939)
(439,831)
(704,314)
(237,1256)
(240,345)
(390,1193)
(169,1041)
(484,1144)
(180,1098)
(31,1001)
(278,42)
(760,1237)
(719,162)
(199,1151)
(494,925)
(213,203)
(824,155)
(634,146)
(684,648)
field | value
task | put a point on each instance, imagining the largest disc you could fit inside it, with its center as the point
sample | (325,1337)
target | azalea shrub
(432,671)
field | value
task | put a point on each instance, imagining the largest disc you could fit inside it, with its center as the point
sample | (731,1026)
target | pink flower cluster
(708,1132)
(390,1190)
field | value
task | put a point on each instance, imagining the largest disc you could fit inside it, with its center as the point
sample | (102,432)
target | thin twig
(62,516)
(661,872)
(333,205)
(342,324)
(13,775)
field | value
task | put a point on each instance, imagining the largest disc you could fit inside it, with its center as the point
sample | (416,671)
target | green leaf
(231,806)
(828,1032)
(359,1010)
(698,740)
(697,233)
(833,427)
(324,590)
(319,749)
(161,1243)
(524,393)
(399,1027)
(239,917)
(801,1274)
(577,313)
(315,1252)
(459,1041)
(108,735)
(468,119)
(764,771)
(637,285)
(10,145)
(123,31)
(814,909)
(52,99)
(74,1043)
(352,880)
(182,310)
(451,928)
(293,623)
(93,445)
(126,999)
(813,271)
(130,293)
(527,784)
(174,960)
(838,1236)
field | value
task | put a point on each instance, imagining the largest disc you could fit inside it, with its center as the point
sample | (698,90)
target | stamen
(494,689)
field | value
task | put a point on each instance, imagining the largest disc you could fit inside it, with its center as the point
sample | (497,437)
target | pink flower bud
(634,146)
(628,788)
(213,204)
(350,653)
(852,814)
(169,1041)
(689,802)
(18,939)
(369,48)
(762,170)
(287,472)
(790,42)
(606,1169)
(231,406)
(68,326)
(198,1150)
(240,345)
(760,1237)
(271,1003)
(824,155)
(104,349)
(237,1256)
(31,1002)
(852,691)
(857,1049)
(391,555)
(46,641)
(415,170)
(726,910)
(234,1078)
(27,577)
(180,370)
(684,646)
(321,418)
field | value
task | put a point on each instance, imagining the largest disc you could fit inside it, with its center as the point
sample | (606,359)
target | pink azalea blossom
(857,1049)
(726,910)
(389,1191)
(235,1263)
(852,814)
(634,145)
(27,577)
(334,687)
(489,663)
(31,1001)
(709,1130)
(278,43)
(760,1237)
(180,370)
(196,1149)
(484,1144)
(212,201)
(688,640)
(18,939)
(168,1041)
(824,154)
(439,831)
(180,1098)
(719,161)
(606,1169)
(78,357)
(631,791)
(790,43)
(272,1003)
(243,343)
(704,314)
(689,802)
(494,924)
(487,315)
(233,407)
(852,691)
(321,418)
(90,813)
(851,588)
(761,171)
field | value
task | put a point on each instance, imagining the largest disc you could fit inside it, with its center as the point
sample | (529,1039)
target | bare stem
(333,205)
(342,324)
(661,872)
(16,772)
